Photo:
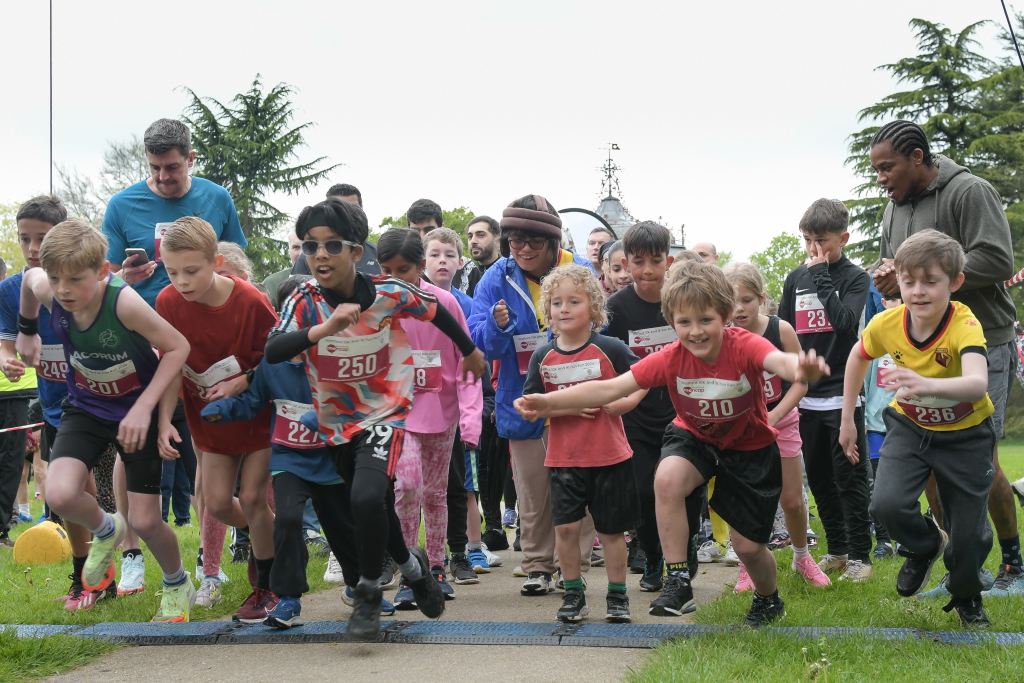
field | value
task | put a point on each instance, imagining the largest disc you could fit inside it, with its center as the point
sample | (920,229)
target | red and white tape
(14,429)
(1019,277)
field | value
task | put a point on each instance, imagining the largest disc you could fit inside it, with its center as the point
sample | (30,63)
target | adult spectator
(368,261)
(484,238)
(423,216)
(275,279)
(932,191)
(598,237)
(707,251)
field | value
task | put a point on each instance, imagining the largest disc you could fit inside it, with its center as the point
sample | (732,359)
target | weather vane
(610,181)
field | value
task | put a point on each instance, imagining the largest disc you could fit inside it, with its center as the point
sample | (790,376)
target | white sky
(731,117)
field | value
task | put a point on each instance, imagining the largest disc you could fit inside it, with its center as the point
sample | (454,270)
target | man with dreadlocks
(932,191)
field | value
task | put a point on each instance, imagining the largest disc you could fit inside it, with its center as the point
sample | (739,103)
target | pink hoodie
(434,411)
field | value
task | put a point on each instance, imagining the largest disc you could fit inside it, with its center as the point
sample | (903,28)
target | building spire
(610,181)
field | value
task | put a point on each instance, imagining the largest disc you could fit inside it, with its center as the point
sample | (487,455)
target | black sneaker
(462,570)
(240,553)
(917,568)
(764,611)
(6,541)
(596,560)
(638,562)
(426,589)
(883,551)
(364,624)
(574,606)
(969,611)
(618,608)
(653,576)
(515,544)
(495,539)
(676,598)
(317,546)
(388,572)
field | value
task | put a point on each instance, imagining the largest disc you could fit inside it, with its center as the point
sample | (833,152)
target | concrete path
(495,598)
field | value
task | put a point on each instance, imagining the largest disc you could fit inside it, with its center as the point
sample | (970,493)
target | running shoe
(496,540)
(617,608)
(743,583)
(492,559)
(711,551)
(256,607)
(883,551)
(133,575)
(1010,581)
(516,544)
(463,572)
(538,583)
(676,598)
(42,518)
(638,563)
(427,590)
(779,540)
(348,596)
(439,575)
(858,571)
(764,611)
(509,519)
(176,602)
(574,606)
(286,614)
(596,560)
(653,577)
(731,559)
(969,611)
(1018,489)
(560,580)
(832,563)
(478,561)
(364,624)
(240,553)
(333,573)
(597,542)
(209,593)
(940,591)
(404,598)
(518,572)
(22,518)
(317,544)
(81,599)
(808,568)
(388,572)
(98,571)
(917,568)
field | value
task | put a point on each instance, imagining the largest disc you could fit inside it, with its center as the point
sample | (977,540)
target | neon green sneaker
(176,602)
(99,570)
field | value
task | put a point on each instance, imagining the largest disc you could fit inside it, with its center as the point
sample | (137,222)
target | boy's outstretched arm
(797,367)
(970,386)
(35,290)
(856,367)
(586,395)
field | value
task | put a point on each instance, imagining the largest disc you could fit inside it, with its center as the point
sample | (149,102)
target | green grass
(759,657)
(28,659)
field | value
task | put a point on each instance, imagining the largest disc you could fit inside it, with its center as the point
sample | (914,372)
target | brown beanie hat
(537,221)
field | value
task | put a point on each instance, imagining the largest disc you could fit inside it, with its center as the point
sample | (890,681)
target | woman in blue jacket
(507,325)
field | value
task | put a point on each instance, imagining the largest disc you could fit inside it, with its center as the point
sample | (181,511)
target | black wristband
(249,374)
(28,326)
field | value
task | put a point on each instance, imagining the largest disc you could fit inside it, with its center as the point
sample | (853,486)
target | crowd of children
(632,390)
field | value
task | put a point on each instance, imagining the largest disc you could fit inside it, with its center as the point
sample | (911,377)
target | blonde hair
(928,247)
(444,236)
(745,275)
(584,280)
(700,286)
(235,258)
(71,247)
(190,233)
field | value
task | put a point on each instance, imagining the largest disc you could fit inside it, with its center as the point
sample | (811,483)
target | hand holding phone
(132,254)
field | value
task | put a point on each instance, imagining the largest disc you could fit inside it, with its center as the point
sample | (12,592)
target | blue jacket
(287,386)
(505,280)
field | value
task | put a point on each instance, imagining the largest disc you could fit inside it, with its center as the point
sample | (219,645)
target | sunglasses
(332,247)
(536,243)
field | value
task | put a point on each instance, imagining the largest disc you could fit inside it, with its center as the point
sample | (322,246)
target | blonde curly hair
(586,282)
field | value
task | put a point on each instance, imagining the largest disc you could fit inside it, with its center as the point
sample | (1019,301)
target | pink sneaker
(743,583)
(809,569)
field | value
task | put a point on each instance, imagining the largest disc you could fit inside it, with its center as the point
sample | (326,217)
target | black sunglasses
(332,247)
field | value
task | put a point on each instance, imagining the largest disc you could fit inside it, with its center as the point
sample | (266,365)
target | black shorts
(610,492)
(377,448)
(748,484)
(85,437)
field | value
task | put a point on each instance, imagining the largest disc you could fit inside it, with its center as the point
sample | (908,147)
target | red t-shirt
(721,403)
(225,341)
(578,441)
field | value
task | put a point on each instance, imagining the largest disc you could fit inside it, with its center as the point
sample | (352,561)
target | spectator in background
(707,251)
(423,216)
(367,262)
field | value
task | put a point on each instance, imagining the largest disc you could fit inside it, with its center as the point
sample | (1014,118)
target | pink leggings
(211,537)
(422,482)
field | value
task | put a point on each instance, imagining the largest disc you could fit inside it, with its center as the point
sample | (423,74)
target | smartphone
(136,253)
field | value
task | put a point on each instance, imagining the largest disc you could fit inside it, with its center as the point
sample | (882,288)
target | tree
(10,249)
(80,196)
(248,146)
(124,163)
(457,219)
(780,257)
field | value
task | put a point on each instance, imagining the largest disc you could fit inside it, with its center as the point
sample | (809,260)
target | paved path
(495,598)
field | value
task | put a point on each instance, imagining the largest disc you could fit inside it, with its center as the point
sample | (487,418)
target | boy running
(115,383)
(938,423)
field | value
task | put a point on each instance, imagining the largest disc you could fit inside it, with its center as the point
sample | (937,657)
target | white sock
(23,508)
(800,553)
(411,570)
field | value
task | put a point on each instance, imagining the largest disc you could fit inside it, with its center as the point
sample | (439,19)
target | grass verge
(28,659)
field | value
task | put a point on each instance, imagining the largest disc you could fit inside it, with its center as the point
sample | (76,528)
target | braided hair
(905,137)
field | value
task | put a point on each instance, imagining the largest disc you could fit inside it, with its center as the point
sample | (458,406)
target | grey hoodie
(969,210)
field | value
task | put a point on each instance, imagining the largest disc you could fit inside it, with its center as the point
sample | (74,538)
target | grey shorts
(1002,366)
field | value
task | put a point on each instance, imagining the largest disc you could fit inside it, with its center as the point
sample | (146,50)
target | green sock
(573,584)
(616,587)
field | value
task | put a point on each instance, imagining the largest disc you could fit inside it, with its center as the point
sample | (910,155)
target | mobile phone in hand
(136,254)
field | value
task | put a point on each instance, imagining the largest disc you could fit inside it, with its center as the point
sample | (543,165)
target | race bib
(525,345)
(645,342)
(353,359)
(885,364)
(772,386)
(288,431)
(929,411)
(199,384)
(566,375)
(713,405)
(119,380)
(428,370)
(810,315)
(158,235)
(53,366)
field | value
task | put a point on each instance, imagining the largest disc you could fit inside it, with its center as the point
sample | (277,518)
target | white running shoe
(209,593)
(222,577)
(492,559)
(133,575)
(711,551)
(731,558)
(333,573)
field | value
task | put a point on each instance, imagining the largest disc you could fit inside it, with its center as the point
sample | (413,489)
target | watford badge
(942,357)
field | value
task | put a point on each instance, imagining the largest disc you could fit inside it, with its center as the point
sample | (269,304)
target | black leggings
(376,522)
(458,503)
(494,468)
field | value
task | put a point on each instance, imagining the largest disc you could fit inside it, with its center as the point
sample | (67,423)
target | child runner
(226,321)
(360,370)
(939,423)
(782,400)
(614,266)
(440,405)
(116,384)
(721,429)
(583,477)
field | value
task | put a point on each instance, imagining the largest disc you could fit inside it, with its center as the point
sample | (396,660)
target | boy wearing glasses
(359,364)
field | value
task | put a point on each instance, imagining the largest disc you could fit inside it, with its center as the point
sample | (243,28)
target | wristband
(28,326)
(249,374)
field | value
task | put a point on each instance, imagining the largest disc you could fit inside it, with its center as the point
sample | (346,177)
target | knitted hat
(537,221)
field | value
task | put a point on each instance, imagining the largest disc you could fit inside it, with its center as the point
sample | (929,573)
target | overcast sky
(731,117)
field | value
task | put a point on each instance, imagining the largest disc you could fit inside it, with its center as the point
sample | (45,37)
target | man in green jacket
(932,191)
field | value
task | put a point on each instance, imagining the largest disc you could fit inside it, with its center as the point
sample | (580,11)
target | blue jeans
(179,476)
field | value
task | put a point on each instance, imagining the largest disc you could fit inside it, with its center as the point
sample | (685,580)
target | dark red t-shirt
(578,441)
(224,342)
(722,402)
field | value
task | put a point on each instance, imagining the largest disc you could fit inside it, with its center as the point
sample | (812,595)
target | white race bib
(525,345)
(199,384)
(645,342)
(565,375)
(119,380)
(428,370)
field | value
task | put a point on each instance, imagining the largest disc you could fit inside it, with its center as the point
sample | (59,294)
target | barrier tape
(14,429)
(1019,277)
